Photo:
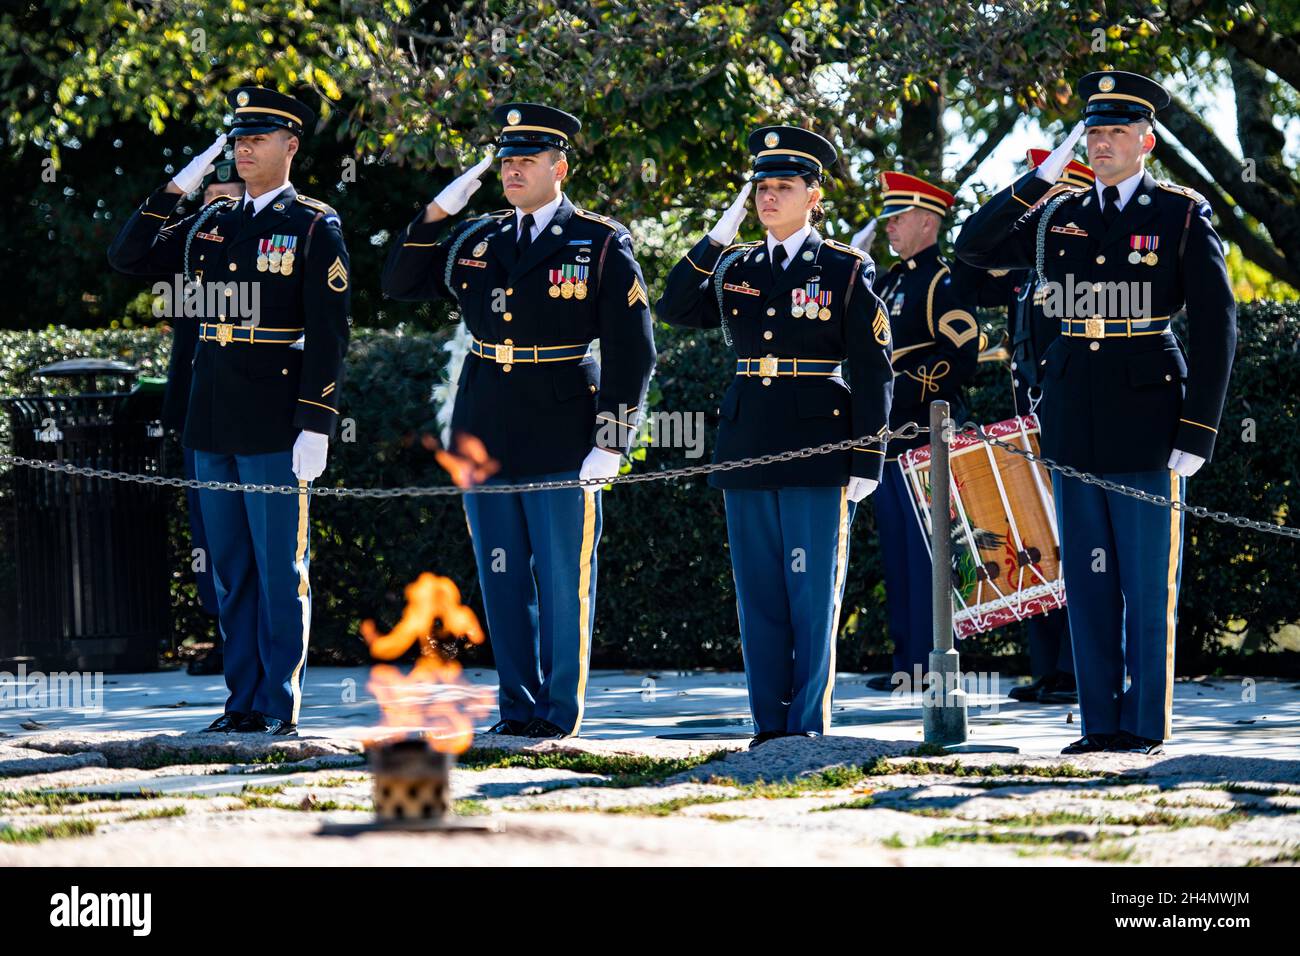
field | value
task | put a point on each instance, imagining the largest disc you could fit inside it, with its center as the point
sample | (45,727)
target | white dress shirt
(1126,189)
(261,202)
(541,217)
(792,244)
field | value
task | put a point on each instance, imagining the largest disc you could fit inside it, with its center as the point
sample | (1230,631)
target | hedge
(666,597)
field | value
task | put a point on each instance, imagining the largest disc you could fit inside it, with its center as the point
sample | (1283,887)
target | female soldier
(793,306)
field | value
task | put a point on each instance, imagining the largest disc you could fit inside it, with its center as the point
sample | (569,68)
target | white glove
(862,238)
(309,453)
(1051,168)
(191,177)
(1185,463)
(859,488)
(598,464)
(724,232)
(454,197)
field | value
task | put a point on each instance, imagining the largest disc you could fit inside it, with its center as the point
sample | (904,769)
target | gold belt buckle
(1094,328)
(767,366)
(225,333)
(504,354)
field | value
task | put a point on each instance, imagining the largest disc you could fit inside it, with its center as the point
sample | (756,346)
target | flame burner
(412,782)
(412,791)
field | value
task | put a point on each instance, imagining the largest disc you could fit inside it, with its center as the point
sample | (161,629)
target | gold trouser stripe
(304,597)
(584,598)
(841,567)
(1171,608)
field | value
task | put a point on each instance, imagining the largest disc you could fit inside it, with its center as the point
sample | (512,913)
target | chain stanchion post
(943,698)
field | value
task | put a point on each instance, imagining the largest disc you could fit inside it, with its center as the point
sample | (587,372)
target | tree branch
(1005,122)
(1230,226)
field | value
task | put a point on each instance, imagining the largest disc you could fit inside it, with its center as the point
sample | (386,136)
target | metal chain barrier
(906,431)
(909,430)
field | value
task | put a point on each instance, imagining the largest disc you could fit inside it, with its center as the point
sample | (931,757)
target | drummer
(936,347)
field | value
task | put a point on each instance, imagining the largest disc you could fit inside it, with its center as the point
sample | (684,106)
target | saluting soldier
(535,284)
(222,181)
(1121,398)
(794,306)
(269,274)
(936,349)
(1030,331)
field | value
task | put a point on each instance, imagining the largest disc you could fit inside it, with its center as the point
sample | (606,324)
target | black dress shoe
(1127,743)
(1059,689)
(544,730)
(227,723)
(275,727)
(253,723)
(764,737)
(1090,743)
(1028,693)
(511,728)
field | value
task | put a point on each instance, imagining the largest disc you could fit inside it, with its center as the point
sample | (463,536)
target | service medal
(566,290)
(1150,258)
(580,289)
(1135,257)
(553,292)
(824,315)
(261,262)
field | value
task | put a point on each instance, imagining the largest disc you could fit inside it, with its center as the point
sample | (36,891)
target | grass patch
(861,803)
(623,770)
(722,817)
(48,831)
(156,813)
(470,808)
(51,800)
(263,789)
(883,767)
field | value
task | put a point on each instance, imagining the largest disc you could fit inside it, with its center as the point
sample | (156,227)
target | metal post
(943,698)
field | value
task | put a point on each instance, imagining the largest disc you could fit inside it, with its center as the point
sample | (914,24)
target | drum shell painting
(1005,545)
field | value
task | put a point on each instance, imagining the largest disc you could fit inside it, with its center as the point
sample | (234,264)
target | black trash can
(93,566)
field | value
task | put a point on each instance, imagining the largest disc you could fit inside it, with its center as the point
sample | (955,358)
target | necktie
(1110,205)
(778,258)
(525,240)
(247,212)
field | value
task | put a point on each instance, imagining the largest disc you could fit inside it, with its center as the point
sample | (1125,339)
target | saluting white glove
(728,224)
(309,453)
(860,488)
(862,238)
(189,178)
(457,194)
(598,464)
(1051,168)
(1185,463)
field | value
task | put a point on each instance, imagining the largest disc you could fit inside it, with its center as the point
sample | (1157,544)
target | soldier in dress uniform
(1030,332)
(1121,397)
(268,275)
(222,181)
(936,348)
(535,284)
(794,306)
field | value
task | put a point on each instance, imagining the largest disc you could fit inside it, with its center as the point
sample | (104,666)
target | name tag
(476,263)
(210,236)
(1069,230)
(747,290)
